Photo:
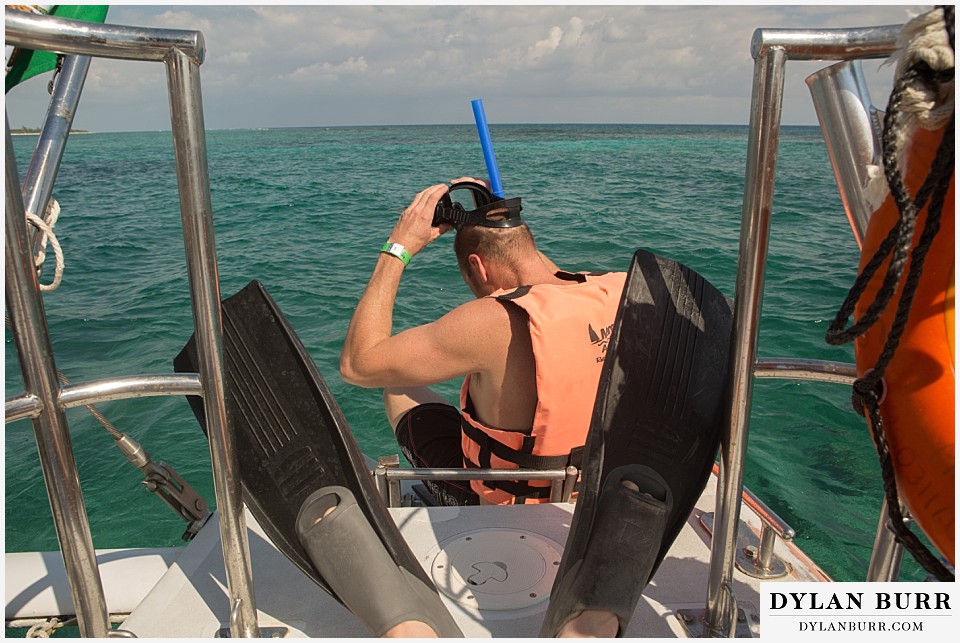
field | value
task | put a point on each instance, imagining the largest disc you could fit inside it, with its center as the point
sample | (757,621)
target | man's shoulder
(483,309)
(481,323)
(491,306)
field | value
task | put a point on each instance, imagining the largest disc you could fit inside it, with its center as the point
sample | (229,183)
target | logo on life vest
(601,340)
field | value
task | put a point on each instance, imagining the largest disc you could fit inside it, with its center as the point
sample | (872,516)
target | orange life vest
(570,327)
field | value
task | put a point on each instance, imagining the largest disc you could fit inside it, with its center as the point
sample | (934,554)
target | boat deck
(453,544)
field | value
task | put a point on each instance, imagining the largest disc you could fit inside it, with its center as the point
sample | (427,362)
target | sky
(330,65)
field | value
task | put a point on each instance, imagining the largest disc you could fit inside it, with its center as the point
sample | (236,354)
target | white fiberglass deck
(191,599)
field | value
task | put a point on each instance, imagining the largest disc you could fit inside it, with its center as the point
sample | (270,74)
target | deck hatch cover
(496,569)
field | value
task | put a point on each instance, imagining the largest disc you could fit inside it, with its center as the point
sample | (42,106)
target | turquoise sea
(306,210)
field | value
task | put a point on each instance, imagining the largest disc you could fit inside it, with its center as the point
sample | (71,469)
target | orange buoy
(917,406)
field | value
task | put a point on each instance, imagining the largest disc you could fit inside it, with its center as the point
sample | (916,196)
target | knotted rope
(43,630)
(45,225)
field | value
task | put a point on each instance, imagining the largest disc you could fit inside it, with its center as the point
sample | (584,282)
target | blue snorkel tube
(489,208)
(491,160)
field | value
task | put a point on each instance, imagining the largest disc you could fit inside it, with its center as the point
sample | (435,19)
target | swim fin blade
(653,438)
(291,440)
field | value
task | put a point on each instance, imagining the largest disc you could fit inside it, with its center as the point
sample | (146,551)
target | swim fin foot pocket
(620,554)
(350,557)
(291,439)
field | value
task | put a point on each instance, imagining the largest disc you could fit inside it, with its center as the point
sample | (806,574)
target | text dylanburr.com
(858,611)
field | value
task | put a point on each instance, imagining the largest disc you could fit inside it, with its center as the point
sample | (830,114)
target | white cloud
(328,71)
(236,58)
(328,65)
(542,48)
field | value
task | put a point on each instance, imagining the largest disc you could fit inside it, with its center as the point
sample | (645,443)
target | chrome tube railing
(771,48)
(22,293)
(182,52)
(772,527)
(42,172)
(22,407)
(827,44)
(754,236)
(805,369)
(761,562)
(388,477)
(104,41)
(189,147)
(887,554)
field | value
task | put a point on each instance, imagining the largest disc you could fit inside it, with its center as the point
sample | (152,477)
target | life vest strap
(523,459)
(521,490)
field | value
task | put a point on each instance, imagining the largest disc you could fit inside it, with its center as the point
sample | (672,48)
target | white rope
(876,190)
(43,630)
(921,38)
(924,38)
(46,227)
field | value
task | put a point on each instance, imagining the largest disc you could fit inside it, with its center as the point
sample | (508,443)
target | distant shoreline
(35,132)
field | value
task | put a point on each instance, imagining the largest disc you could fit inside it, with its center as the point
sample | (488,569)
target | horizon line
(34,130)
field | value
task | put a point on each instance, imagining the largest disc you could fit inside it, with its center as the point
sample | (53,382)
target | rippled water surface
(305,211)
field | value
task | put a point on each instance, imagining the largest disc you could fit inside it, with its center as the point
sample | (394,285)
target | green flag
(26,63)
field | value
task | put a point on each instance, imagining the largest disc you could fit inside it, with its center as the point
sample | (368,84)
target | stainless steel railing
(38,184)
(771,49)
(182,52)
(50,427)
(388,476)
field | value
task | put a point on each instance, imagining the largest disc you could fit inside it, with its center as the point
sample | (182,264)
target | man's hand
(414,230)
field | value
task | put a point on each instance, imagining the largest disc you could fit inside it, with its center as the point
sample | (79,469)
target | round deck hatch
(496,569)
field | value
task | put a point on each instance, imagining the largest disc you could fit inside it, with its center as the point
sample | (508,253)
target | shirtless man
(497,344)
(540,317)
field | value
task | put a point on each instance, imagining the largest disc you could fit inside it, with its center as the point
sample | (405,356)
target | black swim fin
(292,440)
(656,426)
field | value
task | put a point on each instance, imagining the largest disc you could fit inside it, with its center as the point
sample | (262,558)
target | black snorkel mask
(469,203)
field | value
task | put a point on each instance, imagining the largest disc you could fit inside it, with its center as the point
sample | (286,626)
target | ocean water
(306,210)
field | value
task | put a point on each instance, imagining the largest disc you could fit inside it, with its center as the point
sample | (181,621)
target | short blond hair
(507,246)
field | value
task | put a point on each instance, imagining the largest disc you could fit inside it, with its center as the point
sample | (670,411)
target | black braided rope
(867,390)
(942,171)
(897,240)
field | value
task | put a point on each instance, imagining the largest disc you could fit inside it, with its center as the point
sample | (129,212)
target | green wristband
(397,251)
